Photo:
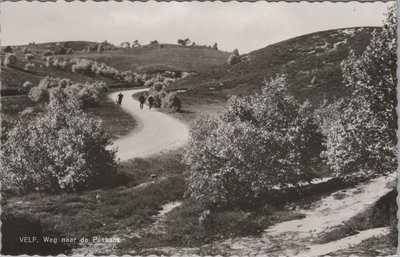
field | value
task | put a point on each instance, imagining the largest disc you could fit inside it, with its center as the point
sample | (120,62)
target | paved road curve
(155,131)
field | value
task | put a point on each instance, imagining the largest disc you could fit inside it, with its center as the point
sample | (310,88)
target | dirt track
(155,132)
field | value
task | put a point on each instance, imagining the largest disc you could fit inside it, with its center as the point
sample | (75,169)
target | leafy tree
(256,144)
(63,149)
(362,136)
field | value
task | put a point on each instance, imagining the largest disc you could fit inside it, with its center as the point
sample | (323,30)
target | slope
(310,62)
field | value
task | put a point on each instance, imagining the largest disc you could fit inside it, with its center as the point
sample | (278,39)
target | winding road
(155,132)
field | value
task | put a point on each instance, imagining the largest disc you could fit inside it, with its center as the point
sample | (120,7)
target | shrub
(362,135)
(70,51)
(92,48)
(60,50)
(37,94)
(158,86)
(10,60)
(256,144)
(48,53)
(27,84)
(63,149)
(100,48)
(29,66)
(171,102)
(29,57)
(234,57)
(7,49)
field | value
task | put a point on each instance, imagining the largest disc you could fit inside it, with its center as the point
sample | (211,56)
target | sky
(245,26)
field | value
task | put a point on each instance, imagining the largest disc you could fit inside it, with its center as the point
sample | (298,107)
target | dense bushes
(86,94)
(256,144)
(91,68)
(10,60)
(62,149)
(171,102)
(361,133)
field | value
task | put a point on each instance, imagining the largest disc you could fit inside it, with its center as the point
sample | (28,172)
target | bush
(63,149)
(48,53)
(60,50)
(234,57)
(171,102)
(29,66)
(86,94)
(70,51)
(10,60)
(361,137)
(29,57)
(7,49)
(256,144)
(27,84)
(37,94)
(158,86)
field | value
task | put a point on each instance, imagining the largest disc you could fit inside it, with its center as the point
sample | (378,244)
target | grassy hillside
(311,63)
(160,57)
(146,59)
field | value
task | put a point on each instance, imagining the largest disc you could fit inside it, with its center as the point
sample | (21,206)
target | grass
(157,58)
(116,121)
(85,215)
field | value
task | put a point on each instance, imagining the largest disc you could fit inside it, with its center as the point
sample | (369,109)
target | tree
(184,42)
(256,144)
(10,60)
(154,42)
(215,46)
(63,149)
(362,138)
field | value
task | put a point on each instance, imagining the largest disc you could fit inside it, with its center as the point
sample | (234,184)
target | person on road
(142,99)
(150,99)
(120,96)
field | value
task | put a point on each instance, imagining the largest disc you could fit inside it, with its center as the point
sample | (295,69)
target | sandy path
(300,237)
(155,132)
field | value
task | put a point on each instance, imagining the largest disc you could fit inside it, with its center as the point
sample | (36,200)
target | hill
(145,59)
(152,58)
(310,62)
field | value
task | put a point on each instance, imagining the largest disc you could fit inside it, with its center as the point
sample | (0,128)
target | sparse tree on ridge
(215,46)
(184,42)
